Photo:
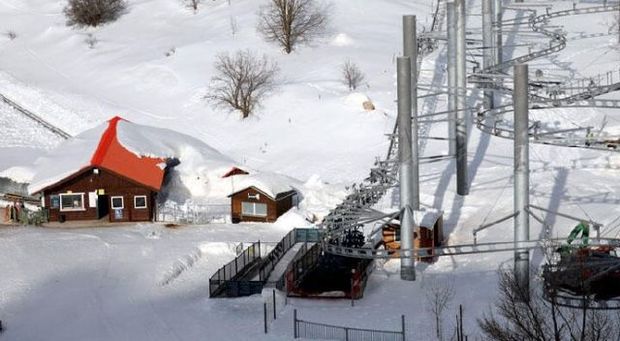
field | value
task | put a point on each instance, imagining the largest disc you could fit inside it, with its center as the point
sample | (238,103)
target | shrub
(93,13)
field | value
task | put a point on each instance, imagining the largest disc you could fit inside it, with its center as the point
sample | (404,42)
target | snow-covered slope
(310,129)
(127,73)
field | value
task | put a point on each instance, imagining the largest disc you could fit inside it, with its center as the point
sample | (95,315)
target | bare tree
(542,320)
(93,12)
(352,76)
(292,22)
(438,298)
(193,4)
(241,81)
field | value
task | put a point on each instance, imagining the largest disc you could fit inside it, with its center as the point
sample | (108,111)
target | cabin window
(54,201)
(139,201)
(72,202)
(253,209)
(118,203)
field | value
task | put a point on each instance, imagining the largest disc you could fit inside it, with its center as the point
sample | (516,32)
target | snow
(66,159)
(18,174)
(356,99)
(201,166)
(271,184)
(426,218)
(146,282)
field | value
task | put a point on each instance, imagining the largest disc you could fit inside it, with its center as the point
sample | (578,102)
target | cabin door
(103,206)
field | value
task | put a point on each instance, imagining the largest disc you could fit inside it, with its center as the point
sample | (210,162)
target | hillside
(147,282)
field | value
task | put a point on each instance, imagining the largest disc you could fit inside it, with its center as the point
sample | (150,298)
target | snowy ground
(106,284)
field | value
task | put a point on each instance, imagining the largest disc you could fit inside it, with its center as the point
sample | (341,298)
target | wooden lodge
(256,204)
(96,193)
(113,182)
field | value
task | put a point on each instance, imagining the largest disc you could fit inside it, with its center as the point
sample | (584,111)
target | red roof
(111,155)
(235,171)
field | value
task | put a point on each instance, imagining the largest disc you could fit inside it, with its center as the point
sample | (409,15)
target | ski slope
(102,284)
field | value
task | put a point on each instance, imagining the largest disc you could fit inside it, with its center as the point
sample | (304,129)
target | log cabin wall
(253,195)
(112,185)
(284,205)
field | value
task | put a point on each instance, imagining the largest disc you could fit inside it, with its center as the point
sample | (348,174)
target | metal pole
(265,315)
(462,187)
(521,174)
(488,47)
(352,285)
(274,304)
(451,22)
(410,49)
(407,270)
(402,321)
(499,39)
(295,334)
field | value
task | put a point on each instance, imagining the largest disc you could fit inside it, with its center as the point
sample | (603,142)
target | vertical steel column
(407,269)
(521,174)
(462,186)
(451,25)
(488,46)
(499,39)
(410,49)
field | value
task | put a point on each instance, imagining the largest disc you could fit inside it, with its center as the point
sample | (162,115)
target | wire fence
(322,331)
(193,213)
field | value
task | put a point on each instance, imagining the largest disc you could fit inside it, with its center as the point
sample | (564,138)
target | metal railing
(299,268)
(293,237)
(193,213)
(248,273)
(313,330)
(222,281)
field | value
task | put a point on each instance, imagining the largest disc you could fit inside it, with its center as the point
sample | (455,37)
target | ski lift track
(35,117)
(356,207)
(486,120)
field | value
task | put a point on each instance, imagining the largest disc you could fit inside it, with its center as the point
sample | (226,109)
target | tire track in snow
(181,265)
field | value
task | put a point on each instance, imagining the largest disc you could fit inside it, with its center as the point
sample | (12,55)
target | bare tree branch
(520,319)
(438,298)
(292,22)
(241,81)
(352,76)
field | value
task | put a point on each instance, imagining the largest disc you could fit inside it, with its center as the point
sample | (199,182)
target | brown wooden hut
(429,233)
(258,204)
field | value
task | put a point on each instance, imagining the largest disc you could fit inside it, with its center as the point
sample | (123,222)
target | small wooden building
(260,203)
(96,193)
(429,233)
(110,180)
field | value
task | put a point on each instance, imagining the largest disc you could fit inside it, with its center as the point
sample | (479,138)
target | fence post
(352,285)
(346,334)
(295,334)
(265,316)
(402,320)
(274,304)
